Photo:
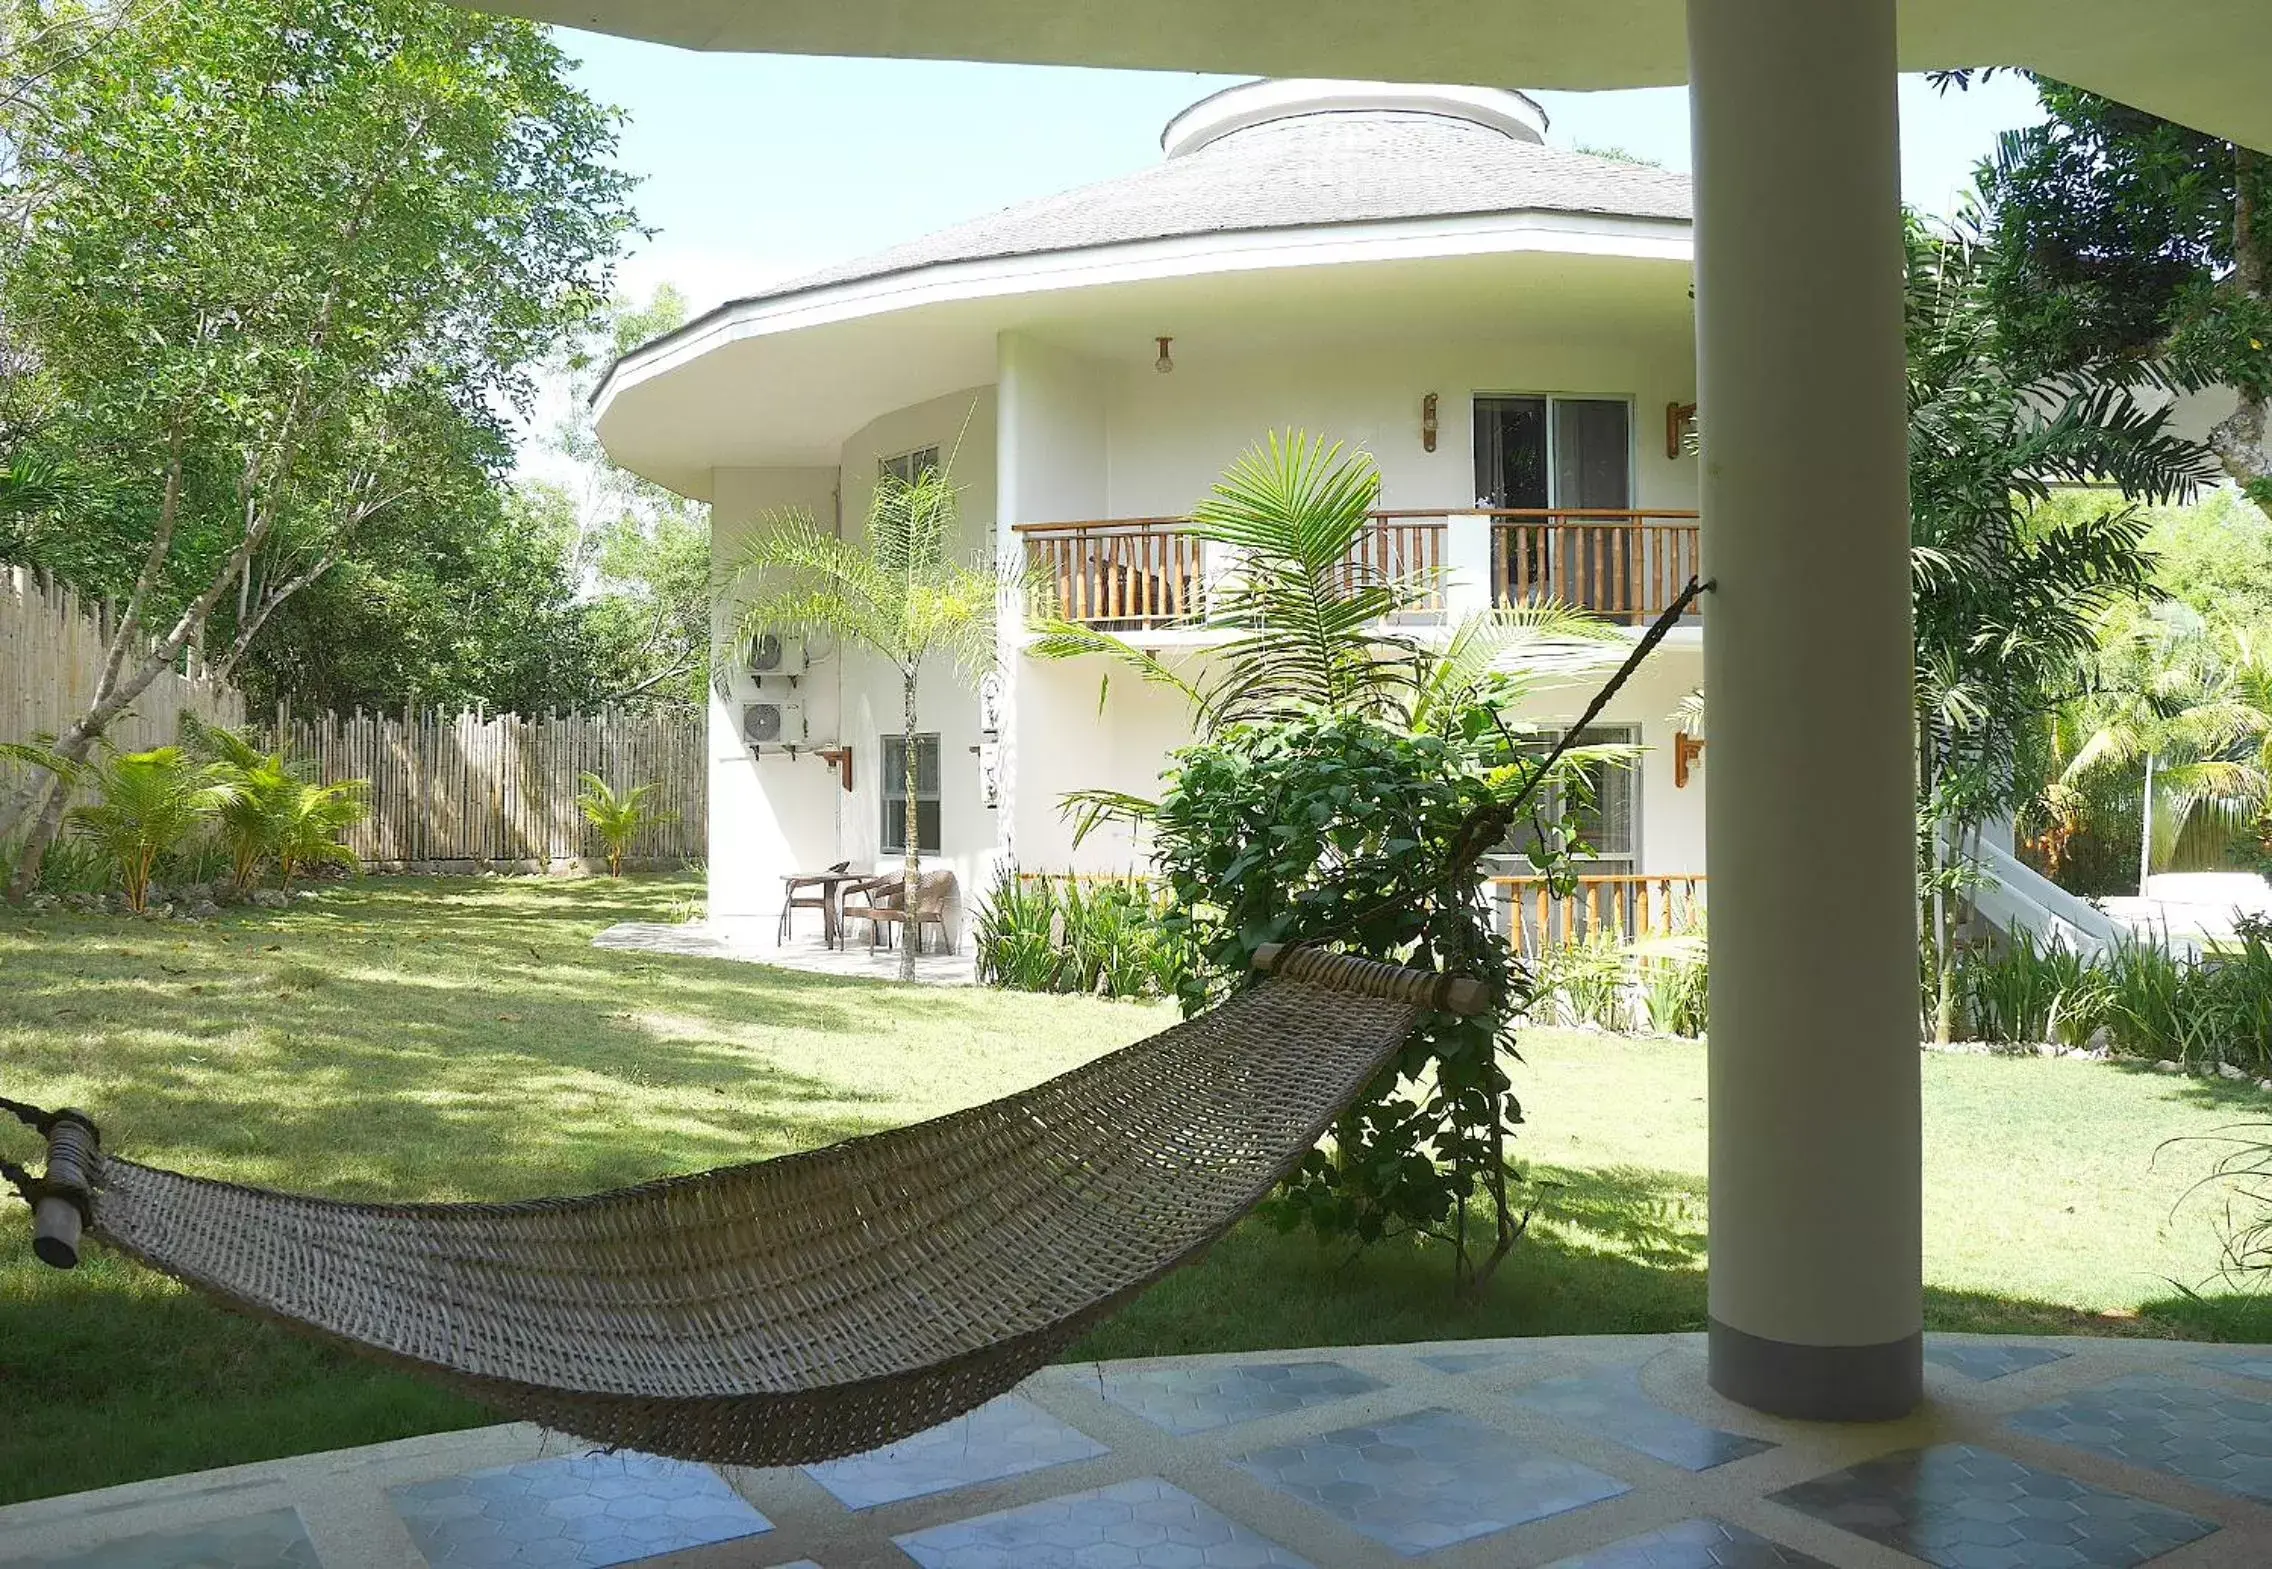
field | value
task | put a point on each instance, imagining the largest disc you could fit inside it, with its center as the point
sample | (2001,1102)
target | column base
(1818,1383)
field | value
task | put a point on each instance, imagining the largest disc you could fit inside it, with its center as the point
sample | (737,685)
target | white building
(1505,327)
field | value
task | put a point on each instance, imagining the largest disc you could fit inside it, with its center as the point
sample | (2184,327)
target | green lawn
(428,1038)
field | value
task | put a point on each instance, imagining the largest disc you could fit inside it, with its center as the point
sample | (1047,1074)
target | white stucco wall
(1126,746)
(1171,436)
(767,814)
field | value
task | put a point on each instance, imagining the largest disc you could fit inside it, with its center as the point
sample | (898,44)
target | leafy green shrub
(1015,933)
(2146,998)
(1104,937)
(273,812)
(2026,991)
(310,820)
(1673,975)
(1334,828)
(2209,1011)
(1585,982)
(70,866)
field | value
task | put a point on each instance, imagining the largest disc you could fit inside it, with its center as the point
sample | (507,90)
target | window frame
(1476,399)
(1626,862)
(907,466)
(891,816)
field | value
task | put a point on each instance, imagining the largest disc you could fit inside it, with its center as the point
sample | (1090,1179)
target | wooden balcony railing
(1630,905)
(1406,544)
(1136,574)
(1627,566)
(1121,574)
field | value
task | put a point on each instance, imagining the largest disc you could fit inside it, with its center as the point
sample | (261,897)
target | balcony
(1154,574)
(1625,906)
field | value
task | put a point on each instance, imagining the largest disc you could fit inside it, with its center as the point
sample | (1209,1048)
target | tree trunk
(911,868)
(2242,440)
(46,804)
(2146,830)
(1937,908)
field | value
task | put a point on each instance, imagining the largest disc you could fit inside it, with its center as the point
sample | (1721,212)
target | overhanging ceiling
(2201,62)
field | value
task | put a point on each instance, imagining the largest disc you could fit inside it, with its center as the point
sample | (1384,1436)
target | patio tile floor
(1427,1480)
(2203,1435)
(1961,1507)
(1579,1453)
(1695,1544)
(274,1540)
(1144,1524)
(575,1512)
(1982,1363)
(1199,1398)
(1002,1438)
(1613,1405)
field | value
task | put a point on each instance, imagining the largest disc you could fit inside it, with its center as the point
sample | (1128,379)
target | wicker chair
(880,907)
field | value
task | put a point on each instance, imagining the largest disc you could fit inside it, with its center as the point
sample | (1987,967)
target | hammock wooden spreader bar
(810,1306)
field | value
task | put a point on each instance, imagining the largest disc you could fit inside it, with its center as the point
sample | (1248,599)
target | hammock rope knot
(62,1197)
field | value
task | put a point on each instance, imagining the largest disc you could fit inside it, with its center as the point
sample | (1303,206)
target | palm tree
(2181,711)
(1312,623)
(263,786)
(308,821)
(2008,594)
(147,803)
(618,817)
(897,591)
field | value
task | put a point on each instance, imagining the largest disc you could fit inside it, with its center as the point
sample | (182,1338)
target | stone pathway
(696,941)
(1581,1453)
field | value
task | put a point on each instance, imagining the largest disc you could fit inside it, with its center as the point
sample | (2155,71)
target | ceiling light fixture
(1166,361)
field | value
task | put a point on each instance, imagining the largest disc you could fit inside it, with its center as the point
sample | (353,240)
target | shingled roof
(1331,166)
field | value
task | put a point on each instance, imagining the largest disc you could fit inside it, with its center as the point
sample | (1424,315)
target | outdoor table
(829,883)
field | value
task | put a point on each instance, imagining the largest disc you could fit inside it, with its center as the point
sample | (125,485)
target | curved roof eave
(824,301)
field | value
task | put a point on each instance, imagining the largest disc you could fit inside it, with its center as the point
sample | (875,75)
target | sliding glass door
(1553,457)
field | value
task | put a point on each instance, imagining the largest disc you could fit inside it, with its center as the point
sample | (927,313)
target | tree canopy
(2121,235)
(282,274)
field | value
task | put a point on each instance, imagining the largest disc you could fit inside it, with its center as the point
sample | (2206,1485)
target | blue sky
(759,167)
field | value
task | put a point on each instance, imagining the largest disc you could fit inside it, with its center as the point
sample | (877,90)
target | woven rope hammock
(816,1305)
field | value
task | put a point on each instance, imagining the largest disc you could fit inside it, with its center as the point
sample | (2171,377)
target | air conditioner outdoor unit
(773,654)
(773,723)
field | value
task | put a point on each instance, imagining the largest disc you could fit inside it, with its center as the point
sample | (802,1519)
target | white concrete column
(1816,1299)
(1467,565)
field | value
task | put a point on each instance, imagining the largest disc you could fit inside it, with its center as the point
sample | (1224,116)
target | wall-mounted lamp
(1428,423)
(1687,752)
(839,758)
(1166,361)
(1680,429)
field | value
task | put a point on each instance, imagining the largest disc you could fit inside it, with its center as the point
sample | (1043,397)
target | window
(894,838)
(1608,823)
(908,467)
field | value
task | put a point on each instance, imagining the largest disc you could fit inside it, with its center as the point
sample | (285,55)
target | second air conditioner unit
(771,723)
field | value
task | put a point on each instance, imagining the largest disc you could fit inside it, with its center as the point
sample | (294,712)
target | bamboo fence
(448,791)
(51,656)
